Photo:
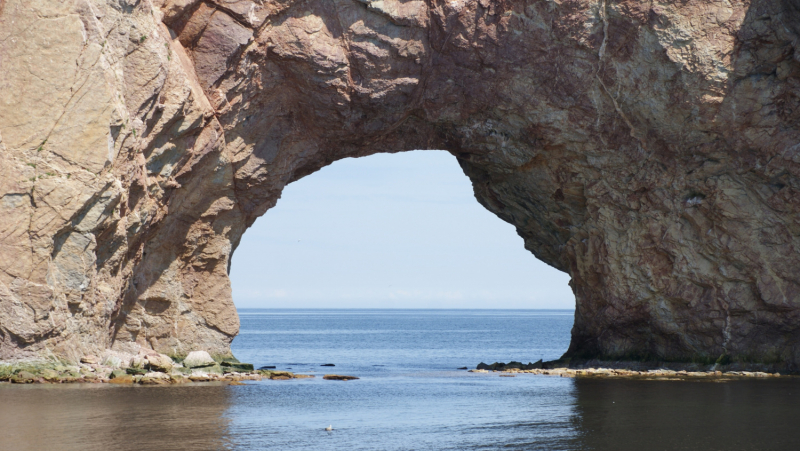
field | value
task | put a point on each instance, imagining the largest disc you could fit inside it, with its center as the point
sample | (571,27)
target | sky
(389,231)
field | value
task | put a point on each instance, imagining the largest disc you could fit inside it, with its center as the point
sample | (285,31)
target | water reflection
(682,415)
(95,417)
(450,412)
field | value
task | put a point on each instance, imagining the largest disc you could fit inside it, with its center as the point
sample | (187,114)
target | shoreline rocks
(644,370)
(661,374)
(145,368)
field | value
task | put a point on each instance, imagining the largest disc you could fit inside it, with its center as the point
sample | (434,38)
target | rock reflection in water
(95,417)
(686,415)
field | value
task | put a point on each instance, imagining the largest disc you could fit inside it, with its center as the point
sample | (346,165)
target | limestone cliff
(649,149)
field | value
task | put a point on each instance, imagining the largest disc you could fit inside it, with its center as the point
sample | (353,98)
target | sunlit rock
(650,150)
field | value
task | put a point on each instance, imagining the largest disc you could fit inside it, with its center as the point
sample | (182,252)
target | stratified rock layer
(649,149)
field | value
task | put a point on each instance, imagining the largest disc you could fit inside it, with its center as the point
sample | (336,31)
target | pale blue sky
(389,231)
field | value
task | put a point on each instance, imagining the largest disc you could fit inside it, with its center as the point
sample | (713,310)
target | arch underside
(660,175)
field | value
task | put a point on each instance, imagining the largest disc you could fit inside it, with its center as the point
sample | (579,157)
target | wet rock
(197,359)
(327,364)
(123,379)
(278,375)
(237,366)
(338,377)
(23,377)
(462,368)
(268,367)
(155,378)
(178,379)
(50,375)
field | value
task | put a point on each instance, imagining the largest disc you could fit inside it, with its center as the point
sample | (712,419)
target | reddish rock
(648,150)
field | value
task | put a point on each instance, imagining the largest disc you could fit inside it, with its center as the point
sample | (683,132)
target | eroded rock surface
(650,150)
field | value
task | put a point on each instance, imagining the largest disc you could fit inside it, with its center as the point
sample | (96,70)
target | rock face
(650,150)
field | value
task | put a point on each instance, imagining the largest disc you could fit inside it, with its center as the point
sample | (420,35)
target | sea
(410,395)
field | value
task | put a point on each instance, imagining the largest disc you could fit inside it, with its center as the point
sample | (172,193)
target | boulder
(198,359)
(112,361)
(159,362)
(90,360)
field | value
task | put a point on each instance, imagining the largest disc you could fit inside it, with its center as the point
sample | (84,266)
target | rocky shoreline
(151,368)
(613,369)
(146,368)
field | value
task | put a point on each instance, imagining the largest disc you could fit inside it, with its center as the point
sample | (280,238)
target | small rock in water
(462,368)
(337,377)
(327,364)
(268,367)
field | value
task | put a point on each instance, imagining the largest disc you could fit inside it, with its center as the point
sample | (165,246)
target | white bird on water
(329,428)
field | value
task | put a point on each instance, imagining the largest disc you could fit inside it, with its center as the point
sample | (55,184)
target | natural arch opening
(390,231)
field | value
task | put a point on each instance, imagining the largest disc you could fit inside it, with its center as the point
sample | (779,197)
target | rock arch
(649,150)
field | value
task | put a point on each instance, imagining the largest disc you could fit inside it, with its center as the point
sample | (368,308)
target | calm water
(409,397)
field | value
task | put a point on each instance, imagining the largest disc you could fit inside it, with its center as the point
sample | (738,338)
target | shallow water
(410,396)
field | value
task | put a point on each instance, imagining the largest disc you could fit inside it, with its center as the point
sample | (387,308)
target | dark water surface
(409,397)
